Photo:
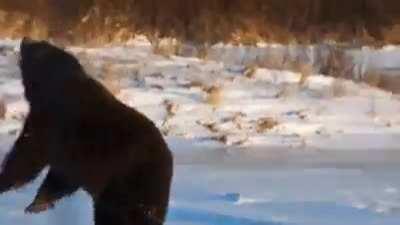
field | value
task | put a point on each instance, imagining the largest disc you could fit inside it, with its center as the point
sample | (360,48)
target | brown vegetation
(214,96)
(244,21)
(3,109)
(383,80)
(266,124)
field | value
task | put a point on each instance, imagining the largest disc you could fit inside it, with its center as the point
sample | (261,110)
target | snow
(263,149)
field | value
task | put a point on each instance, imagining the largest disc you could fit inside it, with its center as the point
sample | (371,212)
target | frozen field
(252,146)
(254,194)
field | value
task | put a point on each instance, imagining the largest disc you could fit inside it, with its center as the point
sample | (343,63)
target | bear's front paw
(35,208)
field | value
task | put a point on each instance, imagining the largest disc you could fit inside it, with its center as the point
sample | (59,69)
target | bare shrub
(23,25)
(337,63)
(388,81)
(250,37)
(171,108)
(194,84)
(250,71)
(305,72)
(166,47)
(266,124)
(372,78)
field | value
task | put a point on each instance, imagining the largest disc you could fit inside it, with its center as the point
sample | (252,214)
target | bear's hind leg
(116,206)
(106,214)
(141,198)
(54,187)
(109,213)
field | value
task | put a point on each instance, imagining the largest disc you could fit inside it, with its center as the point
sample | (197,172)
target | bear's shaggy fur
(89,140)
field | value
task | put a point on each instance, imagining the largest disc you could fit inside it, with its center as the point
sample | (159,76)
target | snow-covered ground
(253,146)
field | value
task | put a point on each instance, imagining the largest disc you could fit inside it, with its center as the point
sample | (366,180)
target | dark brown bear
(89,140)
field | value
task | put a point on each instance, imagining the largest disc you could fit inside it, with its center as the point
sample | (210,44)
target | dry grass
(305,70)
(337,64)
(391,83)
(166,46)
(372,78)
(23,25)
(214,96)
(210,21)
(195,84)
(250,71)
(202,51)
(3,109)
(266,124)
(171,108)
(210,126)
(383,80)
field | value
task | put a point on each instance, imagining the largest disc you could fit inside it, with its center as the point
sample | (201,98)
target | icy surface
(264,147)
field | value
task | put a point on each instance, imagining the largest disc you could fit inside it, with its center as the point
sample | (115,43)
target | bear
(88,140)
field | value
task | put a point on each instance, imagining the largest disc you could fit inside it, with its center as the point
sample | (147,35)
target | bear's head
(45,68)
